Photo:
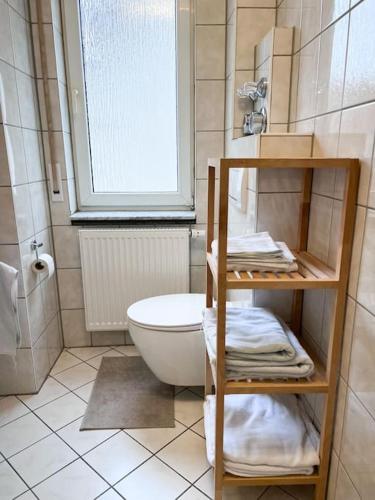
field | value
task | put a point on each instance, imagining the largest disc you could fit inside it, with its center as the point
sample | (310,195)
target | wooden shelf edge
(231,480)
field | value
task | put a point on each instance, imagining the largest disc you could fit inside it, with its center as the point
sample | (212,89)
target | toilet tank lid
(177,310)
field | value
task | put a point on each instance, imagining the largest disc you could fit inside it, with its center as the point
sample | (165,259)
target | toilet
(167,331)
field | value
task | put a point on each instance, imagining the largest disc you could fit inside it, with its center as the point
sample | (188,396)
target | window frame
(87,198)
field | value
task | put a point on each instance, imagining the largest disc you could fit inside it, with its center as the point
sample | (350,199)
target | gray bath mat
(127,394)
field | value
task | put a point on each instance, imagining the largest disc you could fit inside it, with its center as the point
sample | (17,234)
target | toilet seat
(174,313)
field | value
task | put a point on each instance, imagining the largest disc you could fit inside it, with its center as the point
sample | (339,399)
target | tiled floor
(44,455)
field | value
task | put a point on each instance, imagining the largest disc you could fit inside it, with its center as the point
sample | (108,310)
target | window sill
(133,218)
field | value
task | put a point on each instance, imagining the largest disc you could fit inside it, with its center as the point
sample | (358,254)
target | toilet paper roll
(43,265)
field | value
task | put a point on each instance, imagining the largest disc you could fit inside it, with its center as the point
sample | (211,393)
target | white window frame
(87,198)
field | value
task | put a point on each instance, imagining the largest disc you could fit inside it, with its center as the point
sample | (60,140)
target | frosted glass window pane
(129,55)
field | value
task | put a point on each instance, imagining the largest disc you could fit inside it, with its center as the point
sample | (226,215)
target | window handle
(75,95)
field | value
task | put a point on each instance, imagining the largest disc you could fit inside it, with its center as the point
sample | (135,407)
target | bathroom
(316,57)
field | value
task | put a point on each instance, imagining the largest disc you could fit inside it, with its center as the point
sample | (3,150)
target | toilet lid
(175,312)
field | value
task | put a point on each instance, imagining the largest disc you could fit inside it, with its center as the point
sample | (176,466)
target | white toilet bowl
(167,330)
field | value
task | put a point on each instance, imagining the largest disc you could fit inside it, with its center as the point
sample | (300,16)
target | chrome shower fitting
(255,122)
(253,90)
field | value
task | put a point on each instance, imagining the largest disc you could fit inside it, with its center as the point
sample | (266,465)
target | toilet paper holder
(34,247)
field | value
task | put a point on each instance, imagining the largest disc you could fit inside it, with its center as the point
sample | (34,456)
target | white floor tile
(153,476)
(85,391)
(86,353)
(110,495)
(75,482)
(42,459)
(10,409)
(83,441)
(188,408)
(128,350)
(62,411)
(96,362)
(193,494)
(198,390)
(155,439)
(117,457)
(206,484)
(275,493)
(78,375)
(199,427)
(65,361)
(10,484)
(50,390)
(186,455)
(21,433)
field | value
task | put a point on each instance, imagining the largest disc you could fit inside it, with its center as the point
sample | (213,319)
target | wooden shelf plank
(311,273)
(231,480)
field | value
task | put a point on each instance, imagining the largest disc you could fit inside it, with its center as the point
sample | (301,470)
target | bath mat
(127,394)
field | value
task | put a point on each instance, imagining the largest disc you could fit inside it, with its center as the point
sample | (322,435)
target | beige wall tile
(17,375)
(358,447)
(256,3)
(28,101)
(208,145)
(345,489)
(269,208)
(60,211)
(283,41)
(347,340)
(339,417)
(49,296)
(32,143)
(284,146)
(107,338)
(289,14)
(210,12)
(332,10)
(280,301)
(230,64)
(294,88)
(9,112)
(54,340)
(74,328)
(41,360)
(4,165)
(360,70)
(240,106)
(366,282)
(307,82)
(210,52)
(357,251)
(22,47)
(362,368)
(335,233)
(197,279)
(67,247)
(281,76)
(40,206)
(278,181)
(332,58)
(70,288)
(320,226)
(14,155)
(310,21)
(23,211)
(36,315)
(201,187)
(6,52)
(332,476)
(312,317)
(252,25)
(209,105)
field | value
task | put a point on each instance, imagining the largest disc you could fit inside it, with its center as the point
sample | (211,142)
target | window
(130,83)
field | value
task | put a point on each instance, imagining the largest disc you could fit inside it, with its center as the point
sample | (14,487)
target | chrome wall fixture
(255,122)
(253,90)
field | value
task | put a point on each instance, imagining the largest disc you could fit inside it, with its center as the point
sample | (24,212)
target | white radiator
(121,266)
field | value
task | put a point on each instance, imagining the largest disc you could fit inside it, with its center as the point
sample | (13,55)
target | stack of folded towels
(258,345)
(263,435)
(257,252)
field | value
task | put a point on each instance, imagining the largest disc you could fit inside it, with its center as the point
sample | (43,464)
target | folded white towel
(255,245)
(263,435)
(9,325)
(257,349)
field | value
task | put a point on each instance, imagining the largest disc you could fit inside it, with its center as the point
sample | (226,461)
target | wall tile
(357,251)
(312,317)
(8,233)
(345,489)
(6,52)
(40,207)
(332,10)
(16,158)
(17,375)
(340,412)
(210,12)
(21,36)
(347,340)
(201,187)
(247,39)
(358,447)
(9,110)
(335,234)
(332,59)
(281,76)
(240,106)
(66,247)
(22,7)
(320,226)
(289,14)
(49,296)
(41,360)
(197,279)
(207,145)
(23,211)
(362,369)
(28,101)
(360,70)
(35,311)
(332,476)
(209,105)
(283,41)
(70,288)
(310,21)
(366,282)
(34,155)
(107,338)
(307,83)
(54,340)
(4,166)
(210,52)
(74,329)
(230,64)
(10,254)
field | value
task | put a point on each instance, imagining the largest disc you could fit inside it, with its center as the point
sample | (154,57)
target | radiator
(121,266)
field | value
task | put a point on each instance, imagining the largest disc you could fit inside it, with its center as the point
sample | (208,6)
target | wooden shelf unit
(311,274)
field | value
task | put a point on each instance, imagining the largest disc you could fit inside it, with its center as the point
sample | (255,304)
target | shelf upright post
(220,333)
